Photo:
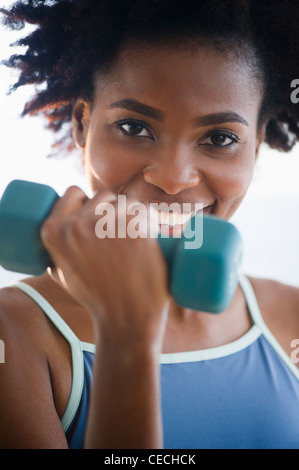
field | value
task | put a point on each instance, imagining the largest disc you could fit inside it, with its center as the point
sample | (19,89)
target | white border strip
(213,353)
(89,347)
(258,320)
(77,357)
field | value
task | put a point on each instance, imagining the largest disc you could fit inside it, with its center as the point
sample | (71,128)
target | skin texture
(114,292)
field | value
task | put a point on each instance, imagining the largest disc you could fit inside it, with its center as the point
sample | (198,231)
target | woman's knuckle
(48,230)
(73,189)
(77,228)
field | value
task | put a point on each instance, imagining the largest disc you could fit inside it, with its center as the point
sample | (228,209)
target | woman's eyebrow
(219,118)
(207,120)
(141,108)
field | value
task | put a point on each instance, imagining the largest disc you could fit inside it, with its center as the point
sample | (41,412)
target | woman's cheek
(233,180)
(110,166)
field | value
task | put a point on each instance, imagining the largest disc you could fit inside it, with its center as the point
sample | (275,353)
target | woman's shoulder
(25,330)
(279,306)
(20,317)
(276,296)
(37,308)
(33,352)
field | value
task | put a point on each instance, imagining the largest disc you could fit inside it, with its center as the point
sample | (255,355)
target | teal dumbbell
(204,278)
(23,208)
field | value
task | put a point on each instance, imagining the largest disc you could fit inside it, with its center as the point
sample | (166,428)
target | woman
(169,101)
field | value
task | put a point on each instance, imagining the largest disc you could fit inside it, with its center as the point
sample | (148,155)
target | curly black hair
(74,39)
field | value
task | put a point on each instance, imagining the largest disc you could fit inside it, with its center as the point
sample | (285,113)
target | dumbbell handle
(25,205)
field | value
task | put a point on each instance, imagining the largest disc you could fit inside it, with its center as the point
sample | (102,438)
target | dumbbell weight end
(23,208)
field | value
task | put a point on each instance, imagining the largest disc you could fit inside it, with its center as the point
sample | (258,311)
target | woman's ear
(260,139)
(80,122)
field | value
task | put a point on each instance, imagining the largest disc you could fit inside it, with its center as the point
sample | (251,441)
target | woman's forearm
(125,411)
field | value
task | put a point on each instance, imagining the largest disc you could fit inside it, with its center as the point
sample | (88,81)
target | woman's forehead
(187,77)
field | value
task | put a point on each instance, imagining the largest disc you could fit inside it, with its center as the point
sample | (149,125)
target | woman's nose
(172,175)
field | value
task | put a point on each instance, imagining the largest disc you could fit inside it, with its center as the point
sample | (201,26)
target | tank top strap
(258,320)
(76,350)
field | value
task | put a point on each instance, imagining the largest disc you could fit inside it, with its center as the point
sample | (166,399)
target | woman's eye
(133,128)
(220,140)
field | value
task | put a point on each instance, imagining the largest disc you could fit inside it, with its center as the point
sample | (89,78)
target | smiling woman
(168,102)
(207,157)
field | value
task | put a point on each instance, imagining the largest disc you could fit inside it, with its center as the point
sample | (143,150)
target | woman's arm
(28,416)
(122,283)
(125,406)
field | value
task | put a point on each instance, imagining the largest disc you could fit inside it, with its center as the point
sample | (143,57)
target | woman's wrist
(126,391)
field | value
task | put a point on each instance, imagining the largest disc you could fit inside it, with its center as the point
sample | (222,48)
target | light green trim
(258,320)
(75,344)
(213,353)
(259,328)
(89,347)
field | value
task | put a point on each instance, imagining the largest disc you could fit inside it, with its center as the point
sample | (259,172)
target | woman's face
(171,125)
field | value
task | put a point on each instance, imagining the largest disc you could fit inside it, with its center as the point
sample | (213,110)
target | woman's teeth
(173,218)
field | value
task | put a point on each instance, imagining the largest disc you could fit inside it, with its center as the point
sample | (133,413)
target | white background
(268,218)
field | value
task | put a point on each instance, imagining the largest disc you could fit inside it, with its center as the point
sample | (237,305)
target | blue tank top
(242,395)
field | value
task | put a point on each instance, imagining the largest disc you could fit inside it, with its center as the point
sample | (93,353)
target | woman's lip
(180,206)
(208,209)
(171,231)
(176,230)
(173,218)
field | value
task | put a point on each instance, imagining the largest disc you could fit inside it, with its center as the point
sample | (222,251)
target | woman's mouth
(173,223)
